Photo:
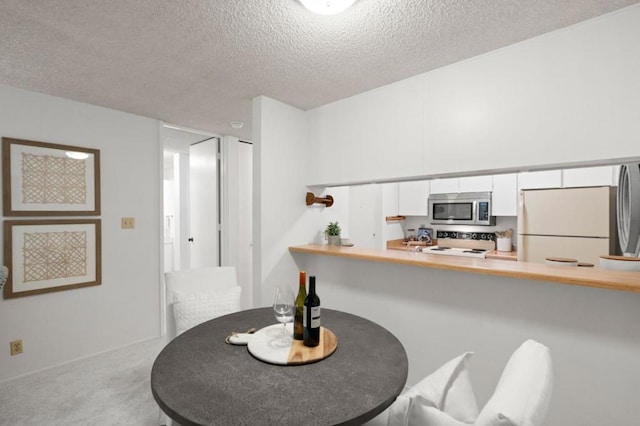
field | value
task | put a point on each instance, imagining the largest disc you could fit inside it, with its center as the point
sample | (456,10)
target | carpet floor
(107,389)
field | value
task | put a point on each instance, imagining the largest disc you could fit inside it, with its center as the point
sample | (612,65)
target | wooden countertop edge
(503,255)
(587,277)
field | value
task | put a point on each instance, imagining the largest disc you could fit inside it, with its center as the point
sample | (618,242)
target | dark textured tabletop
(198,379)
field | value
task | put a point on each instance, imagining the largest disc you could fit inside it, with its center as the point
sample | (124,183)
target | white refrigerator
(576,223)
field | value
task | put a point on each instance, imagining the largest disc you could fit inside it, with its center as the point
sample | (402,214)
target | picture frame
(46,179)
(51,255)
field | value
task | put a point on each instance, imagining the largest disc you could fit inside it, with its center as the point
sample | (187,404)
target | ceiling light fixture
(327,7)
(237,124)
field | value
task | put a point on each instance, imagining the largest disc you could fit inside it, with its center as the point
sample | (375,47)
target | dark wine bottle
(311,315)
(298,327)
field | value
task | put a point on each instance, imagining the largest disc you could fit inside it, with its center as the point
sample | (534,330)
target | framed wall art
(51,255)
(45,179)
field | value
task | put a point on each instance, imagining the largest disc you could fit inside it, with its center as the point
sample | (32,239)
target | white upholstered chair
(445,398)
(197,295)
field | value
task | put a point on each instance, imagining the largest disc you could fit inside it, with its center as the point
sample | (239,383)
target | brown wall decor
(51,255)
(45,179)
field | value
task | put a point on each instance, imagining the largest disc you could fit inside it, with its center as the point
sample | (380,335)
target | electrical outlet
(16,347)
(128,223)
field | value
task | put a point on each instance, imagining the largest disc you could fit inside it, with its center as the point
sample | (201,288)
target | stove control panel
(457,235)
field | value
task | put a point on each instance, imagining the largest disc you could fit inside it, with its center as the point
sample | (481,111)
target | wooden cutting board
(266,345)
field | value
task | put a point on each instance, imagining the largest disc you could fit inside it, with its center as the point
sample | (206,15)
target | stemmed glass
(283,308)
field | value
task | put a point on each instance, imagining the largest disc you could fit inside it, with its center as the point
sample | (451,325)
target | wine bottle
(311,315)
(298,327)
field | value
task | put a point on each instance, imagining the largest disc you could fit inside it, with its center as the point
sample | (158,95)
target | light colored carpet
(108,389)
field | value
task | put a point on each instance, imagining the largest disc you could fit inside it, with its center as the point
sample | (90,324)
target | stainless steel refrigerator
(576,223)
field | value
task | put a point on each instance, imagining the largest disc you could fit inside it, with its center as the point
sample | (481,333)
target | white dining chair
(445,397)
(194,296)
(197,295)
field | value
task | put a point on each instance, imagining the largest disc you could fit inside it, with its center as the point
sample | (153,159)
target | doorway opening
(208,203)
(192,199)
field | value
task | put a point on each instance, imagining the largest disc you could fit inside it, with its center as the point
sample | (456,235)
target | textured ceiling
(198,63)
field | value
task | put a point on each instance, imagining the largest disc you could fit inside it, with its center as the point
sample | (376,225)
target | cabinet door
(537,180)
(413,198)
(445,186)
(504,199)
(616,175)
(476,184)
(389,199)
(588,176)
(349,139)
(364,214)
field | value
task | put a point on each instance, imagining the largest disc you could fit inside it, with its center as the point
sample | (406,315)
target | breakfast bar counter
(589,277)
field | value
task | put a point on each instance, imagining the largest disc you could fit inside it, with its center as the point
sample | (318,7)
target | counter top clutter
(492,254)
(589,277)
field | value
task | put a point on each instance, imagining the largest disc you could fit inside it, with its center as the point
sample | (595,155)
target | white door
(203,203)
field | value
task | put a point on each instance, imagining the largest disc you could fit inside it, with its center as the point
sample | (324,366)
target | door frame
(162,127)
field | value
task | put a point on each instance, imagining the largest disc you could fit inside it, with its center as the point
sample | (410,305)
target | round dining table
(198,379)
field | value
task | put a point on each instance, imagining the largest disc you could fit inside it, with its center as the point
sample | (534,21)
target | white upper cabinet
(372,136)
(590,176)
(389,199)
(465,184)
(616,175)
(476,184)
(445,186)
(504,199)
(539,103)
(536,180)
(413,198)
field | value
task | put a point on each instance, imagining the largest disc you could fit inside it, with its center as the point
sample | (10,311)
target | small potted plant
(333,233)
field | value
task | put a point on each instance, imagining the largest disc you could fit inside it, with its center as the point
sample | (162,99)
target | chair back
(190,281)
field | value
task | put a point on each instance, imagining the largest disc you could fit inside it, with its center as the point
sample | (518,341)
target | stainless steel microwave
(464,208)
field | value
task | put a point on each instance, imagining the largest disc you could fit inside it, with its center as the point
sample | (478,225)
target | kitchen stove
(465,244)
(456,251)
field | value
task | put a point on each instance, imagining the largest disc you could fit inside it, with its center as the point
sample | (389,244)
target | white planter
(334,240)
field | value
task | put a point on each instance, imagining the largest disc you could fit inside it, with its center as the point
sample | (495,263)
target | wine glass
(283,308)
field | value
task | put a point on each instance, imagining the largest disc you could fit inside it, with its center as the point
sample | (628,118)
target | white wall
(569,97)
(437,315)
(280,213)
(281,217)
(237,212)
(58,327)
